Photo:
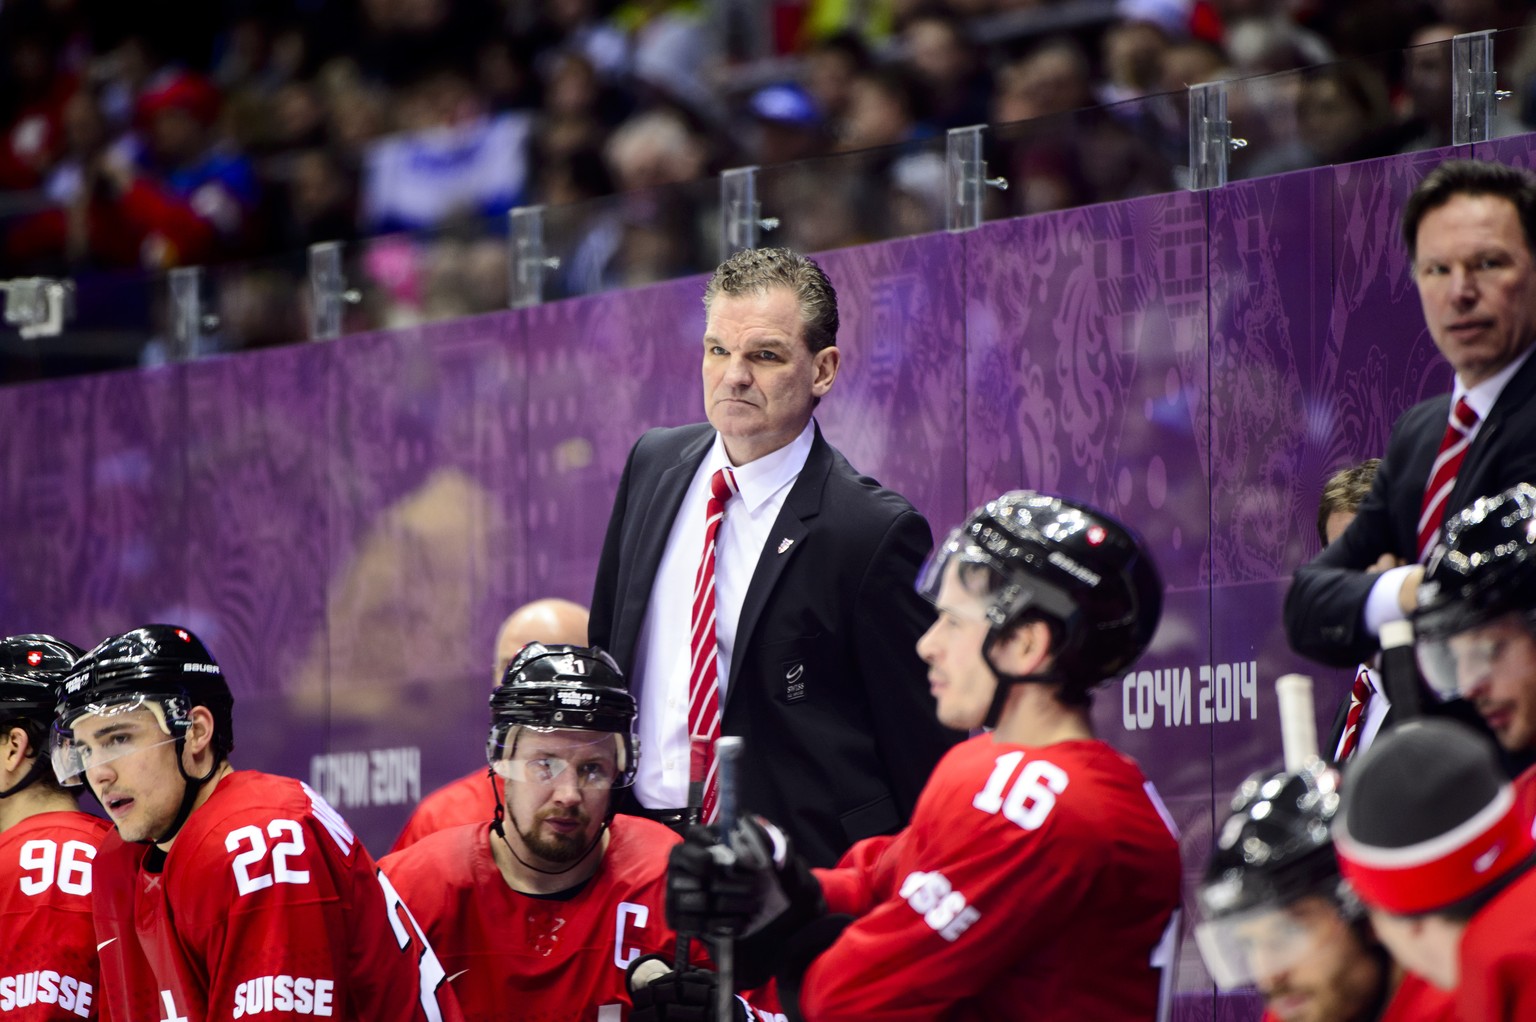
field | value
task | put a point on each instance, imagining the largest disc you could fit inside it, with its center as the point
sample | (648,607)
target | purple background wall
(346,523)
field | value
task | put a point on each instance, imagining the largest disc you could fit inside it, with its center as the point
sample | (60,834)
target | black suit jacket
(1324,609)
(826,688)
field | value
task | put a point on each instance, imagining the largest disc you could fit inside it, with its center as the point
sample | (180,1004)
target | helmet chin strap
(496,825)
(189,795)
(1006,681)
(26,782)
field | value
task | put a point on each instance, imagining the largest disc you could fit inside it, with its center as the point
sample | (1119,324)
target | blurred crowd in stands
(162,133)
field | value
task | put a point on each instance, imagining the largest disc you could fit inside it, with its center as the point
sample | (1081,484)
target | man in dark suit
(1470,227)
(809,579)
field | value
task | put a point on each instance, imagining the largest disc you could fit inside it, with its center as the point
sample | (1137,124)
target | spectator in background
(1425,122)
(831,67)
(550,621)
(183,197)
(452,160)
(948,67)
(34,89)
(789,126)
(1341,116)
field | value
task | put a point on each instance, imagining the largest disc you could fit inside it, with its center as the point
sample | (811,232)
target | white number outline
(282,851)
(1038,785)
(56,868)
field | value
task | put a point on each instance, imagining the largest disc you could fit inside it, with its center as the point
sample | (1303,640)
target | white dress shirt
(660,680)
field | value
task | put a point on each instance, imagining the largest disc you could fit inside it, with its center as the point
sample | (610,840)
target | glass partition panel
(855,197)
(1514,61)
(1081,157)
(631,239)
(406,279)
(1334,113)
(115,315)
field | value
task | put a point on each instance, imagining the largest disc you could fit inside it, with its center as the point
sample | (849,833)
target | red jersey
(467,800)
(1416,1000)
(1498,957)
(45,911)
(266,906)
(514,955)
(1031,883)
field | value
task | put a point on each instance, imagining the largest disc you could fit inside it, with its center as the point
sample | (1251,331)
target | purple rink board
(346,523)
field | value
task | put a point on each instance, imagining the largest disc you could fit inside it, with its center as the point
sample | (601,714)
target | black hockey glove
(752,887)
(739,886)
(661,994)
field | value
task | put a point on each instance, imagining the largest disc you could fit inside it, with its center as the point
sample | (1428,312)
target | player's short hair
(755,271)
(1344,491)
(1472,177)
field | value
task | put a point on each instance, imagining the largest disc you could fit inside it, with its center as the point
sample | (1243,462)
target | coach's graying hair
(1471,177)
(756,270)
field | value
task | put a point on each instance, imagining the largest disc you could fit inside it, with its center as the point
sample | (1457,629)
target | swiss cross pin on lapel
(785,544)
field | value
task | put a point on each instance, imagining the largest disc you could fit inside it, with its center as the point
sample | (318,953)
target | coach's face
(1477,283)
(760,379)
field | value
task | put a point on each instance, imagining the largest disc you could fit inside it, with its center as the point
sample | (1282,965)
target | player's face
(1477,284)
(1496,672)
(1309,963)
(958,676)
(558,786)
(760,379)
(130,763)
(1420,946)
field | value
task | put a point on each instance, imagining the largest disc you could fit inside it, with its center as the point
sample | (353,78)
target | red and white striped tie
(1442,475)
(1359,699)
(704,665)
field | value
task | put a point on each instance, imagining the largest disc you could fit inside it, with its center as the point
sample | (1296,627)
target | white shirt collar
(1483,396)
(760,479)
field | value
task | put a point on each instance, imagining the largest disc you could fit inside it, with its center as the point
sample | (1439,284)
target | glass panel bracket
(741,219)
(529,265)
(965,179)
(1210,136)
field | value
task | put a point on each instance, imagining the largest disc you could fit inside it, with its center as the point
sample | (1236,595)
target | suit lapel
(784,544)
(1517,394)
(656,526)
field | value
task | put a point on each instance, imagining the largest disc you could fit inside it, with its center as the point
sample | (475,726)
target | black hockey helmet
(1089,576)
(165,665)
(1273,850)
(1485,569)
(31,668)
(562,687)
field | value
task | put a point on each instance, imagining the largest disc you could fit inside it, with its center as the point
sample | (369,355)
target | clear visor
(1460,664)
(1249,949)
(596,760)
(960,578)
(99,734)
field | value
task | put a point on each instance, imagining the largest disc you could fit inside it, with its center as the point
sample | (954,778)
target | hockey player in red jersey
(549,905)
(468,799)
(224,894)
(1475,626)
(48,967)
(1039,877)
(1434,840)
(1277,915)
